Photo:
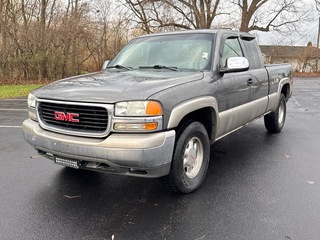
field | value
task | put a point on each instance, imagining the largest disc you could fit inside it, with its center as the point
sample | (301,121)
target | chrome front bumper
(144,155)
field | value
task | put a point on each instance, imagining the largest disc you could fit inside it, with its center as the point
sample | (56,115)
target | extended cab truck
(154,110)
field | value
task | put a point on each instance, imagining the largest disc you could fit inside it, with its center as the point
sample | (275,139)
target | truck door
(234,91)
(233,87)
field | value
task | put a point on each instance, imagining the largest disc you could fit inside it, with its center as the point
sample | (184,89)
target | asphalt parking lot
(259,186)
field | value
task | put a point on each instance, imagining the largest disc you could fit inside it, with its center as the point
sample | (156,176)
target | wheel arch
(286,90)
(204,110)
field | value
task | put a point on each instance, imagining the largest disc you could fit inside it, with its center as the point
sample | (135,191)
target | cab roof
(244,35)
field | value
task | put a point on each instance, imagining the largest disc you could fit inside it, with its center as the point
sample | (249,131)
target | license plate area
(67,162)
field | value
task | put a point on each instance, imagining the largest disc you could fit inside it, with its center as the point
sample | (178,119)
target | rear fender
(274,97)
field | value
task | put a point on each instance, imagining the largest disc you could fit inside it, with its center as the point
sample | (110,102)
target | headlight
(138,116)
(138,109)
(31,101)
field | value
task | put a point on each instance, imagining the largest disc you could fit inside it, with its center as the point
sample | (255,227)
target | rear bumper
(144,155)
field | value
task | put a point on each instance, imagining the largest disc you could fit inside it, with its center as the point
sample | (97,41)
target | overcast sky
(309,33)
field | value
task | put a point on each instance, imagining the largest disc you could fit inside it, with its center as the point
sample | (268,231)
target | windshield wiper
(160,67)
(120,66)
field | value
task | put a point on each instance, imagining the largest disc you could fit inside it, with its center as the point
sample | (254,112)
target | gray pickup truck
(154,110)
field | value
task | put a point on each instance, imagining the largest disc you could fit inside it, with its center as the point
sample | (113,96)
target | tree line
(45,40)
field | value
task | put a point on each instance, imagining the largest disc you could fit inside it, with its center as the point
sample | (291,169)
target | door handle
(249,82)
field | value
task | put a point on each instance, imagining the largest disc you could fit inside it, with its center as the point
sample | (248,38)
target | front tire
(274,121)
(190,159)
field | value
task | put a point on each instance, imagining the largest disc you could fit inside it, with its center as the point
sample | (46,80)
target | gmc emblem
(68,117)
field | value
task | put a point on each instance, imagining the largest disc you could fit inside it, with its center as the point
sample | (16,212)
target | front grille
(92,119)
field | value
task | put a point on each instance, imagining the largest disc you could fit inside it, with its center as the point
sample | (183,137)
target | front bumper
(144,155)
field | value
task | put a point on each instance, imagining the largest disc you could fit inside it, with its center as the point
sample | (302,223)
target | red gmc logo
(68,117)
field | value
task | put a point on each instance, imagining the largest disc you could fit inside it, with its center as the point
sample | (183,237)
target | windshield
(178,51)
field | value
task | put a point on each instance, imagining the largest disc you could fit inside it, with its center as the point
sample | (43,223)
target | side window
(231,48)
(253,53)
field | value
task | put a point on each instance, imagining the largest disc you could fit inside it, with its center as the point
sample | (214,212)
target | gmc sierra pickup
(154,110)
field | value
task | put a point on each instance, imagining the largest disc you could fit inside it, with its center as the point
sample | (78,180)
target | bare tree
(177,14)
(245,15)
(110,28)
(267,15)
(51,39)
(146,13)
(199,14)
(317,2)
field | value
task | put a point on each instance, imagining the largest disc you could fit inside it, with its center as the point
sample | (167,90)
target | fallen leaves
(201,237)
(311,182)
(72,197)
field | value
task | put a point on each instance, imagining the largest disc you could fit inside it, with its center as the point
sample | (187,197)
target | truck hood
(112,86)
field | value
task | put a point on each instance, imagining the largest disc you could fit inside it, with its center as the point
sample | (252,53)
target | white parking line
(12,99)
(13,109)
(3,126)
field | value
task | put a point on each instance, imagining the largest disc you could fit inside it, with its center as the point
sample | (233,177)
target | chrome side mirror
(105,64)
(235,64)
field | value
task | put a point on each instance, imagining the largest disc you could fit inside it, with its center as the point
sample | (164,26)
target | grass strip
(13,91)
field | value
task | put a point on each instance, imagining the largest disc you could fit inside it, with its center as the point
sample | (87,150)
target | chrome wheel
(193,157)
(281,113)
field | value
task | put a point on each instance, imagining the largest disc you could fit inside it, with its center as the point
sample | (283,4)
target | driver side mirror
(235,64)
(105,64)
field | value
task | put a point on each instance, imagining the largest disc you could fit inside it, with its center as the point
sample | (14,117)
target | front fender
(187,107)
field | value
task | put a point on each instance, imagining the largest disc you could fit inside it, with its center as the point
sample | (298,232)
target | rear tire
(274,121)
(190,159)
